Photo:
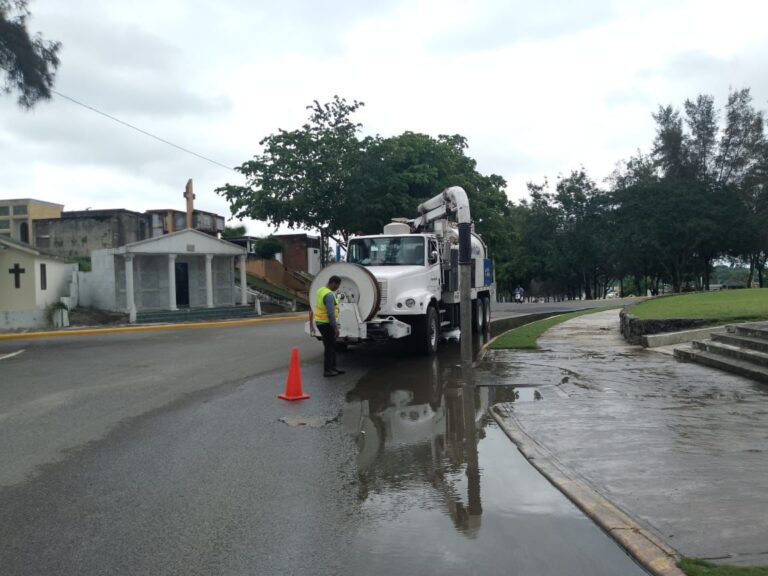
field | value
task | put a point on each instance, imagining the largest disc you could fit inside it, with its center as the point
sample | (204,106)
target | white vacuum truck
(404,283)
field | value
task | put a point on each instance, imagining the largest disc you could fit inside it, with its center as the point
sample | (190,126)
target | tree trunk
(587,287)
(323,248)
(706,274)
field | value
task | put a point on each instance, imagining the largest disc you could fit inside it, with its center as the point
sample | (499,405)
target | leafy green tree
(304,177)
(742,138)
(233,231)
(28,62)
(668,147)
(742,164)
(701,143)
(268,247)
(324,175)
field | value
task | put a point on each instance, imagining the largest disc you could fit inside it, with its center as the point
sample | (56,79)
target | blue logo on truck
(487,272)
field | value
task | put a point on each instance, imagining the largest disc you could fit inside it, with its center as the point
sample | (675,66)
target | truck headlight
(410,302)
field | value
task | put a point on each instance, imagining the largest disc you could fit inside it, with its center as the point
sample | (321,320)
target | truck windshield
(387,251)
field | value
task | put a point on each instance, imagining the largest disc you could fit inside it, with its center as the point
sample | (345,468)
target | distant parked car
(612,295)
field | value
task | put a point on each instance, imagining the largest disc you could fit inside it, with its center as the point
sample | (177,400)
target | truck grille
(383,292)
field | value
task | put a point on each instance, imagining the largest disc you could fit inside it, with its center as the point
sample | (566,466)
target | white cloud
(538,90)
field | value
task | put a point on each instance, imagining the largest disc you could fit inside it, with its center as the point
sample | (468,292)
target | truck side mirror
(433,256)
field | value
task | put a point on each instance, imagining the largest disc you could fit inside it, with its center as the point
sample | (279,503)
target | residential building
(18,215)
(167,221)
(77,233)
(301,253)
(30,282)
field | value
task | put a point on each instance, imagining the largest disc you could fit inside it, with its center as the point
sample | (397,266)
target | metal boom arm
(454,200)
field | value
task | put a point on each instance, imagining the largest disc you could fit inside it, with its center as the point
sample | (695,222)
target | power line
(132,127)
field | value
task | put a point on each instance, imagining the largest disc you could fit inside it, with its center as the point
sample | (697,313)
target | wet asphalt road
(195,467)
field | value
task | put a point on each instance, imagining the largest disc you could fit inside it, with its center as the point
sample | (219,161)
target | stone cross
(17,271)
(190,196)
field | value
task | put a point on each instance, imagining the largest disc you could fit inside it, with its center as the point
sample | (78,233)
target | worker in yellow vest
(325,314)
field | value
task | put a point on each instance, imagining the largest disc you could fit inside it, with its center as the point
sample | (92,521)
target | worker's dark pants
(329,345)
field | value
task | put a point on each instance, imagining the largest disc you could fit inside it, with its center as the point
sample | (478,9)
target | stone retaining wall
(633,328)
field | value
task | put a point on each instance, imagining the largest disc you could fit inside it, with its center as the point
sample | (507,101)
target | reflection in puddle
(516,394)
(422,428)
(441,488)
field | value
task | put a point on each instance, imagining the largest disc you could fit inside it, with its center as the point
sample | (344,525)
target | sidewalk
(680,447)
(122,328)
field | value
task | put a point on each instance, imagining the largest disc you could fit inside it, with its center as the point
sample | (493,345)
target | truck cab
(407,268)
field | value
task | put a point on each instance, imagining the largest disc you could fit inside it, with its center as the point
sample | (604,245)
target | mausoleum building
(184,269)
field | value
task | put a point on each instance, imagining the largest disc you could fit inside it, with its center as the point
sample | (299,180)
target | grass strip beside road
(722,306)
(525,337)
(695,567)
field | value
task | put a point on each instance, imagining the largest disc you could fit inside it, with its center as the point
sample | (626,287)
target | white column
(130,303)
(209,280)
(243,281)
(172,282)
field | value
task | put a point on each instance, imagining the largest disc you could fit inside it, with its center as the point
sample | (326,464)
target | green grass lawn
(723,306)
(694,567)
(525,337)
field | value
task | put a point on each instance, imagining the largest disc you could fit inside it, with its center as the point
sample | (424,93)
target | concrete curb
(148,328)
(672,338)
(650,552)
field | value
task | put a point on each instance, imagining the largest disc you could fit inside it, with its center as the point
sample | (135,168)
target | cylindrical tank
(450,232)
(479,250)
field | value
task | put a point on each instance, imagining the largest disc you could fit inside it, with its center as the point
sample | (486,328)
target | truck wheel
(477,315)
(487,311)
(426,332)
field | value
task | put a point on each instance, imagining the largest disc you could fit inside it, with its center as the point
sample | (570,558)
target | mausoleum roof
(182,242)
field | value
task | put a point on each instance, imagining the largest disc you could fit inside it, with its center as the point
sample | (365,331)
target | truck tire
(487,311)
(426,332)
(478,314)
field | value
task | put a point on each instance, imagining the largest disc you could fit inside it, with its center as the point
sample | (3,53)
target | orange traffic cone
(293,389)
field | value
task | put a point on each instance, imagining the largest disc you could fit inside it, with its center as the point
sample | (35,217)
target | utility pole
(454,200)
(465,291)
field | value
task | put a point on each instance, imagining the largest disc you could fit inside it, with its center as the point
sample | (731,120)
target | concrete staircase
(195,315)
(742,349)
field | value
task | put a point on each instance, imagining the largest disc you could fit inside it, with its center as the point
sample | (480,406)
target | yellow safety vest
(321,312)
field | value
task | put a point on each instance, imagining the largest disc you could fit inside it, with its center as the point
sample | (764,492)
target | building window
(43,277)
(20,210)
(5,224)
(24,232)
(5,211)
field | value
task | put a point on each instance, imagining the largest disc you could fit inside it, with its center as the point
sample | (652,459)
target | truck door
(433,260)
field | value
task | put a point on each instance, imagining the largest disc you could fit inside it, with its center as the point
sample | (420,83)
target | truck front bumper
(385,328)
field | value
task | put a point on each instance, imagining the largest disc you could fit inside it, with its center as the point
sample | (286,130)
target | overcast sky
(538,88)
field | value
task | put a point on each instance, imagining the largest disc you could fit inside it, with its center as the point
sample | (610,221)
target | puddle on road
(441,485)
(516,394)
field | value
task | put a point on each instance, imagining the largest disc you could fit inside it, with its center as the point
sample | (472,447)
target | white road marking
(11,355)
